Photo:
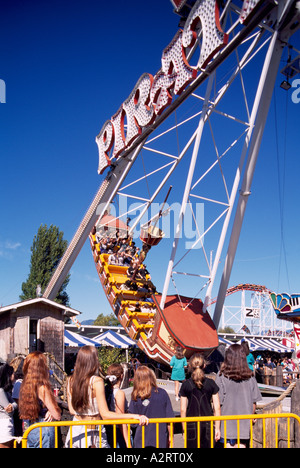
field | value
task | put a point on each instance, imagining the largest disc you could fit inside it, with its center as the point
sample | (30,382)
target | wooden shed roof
(69,312)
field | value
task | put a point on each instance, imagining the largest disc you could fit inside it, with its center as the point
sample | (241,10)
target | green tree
(107,320)
(46,251)
(226,330)
(108,356)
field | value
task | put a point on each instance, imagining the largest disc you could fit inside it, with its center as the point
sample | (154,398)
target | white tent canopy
(260,344)
(273,345)
(76,340)
(116,340)
(225,342)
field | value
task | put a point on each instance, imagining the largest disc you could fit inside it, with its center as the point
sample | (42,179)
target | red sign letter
(174,75)
(213,38)
(105,141)
(138,112)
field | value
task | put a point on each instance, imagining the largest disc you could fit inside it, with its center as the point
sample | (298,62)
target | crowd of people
(92,395)
(234,391)
(264,369)
(26,397)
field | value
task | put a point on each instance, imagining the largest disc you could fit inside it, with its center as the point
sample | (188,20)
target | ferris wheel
(180,154)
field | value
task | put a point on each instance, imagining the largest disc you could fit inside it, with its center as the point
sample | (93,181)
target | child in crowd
(37,402)
(87,401)
(198,393)
(116,401)
(239,394)
(154,402)
(178,364)
(250,357)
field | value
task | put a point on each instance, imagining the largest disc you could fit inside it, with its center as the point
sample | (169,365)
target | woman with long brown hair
(239,394)
(37,402)
(154,402)
(199,397)
(87,402)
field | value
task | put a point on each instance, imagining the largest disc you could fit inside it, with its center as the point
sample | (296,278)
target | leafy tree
(108,356)
(226,330)
(46,251)
(107,320)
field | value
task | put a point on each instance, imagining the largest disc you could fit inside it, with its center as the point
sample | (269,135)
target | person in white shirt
(7,406)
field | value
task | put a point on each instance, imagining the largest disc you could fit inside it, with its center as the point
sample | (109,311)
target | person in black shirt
(196,397)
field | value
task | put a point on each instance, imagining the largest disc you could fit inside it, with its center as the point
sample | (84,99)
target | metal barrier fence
(275,418)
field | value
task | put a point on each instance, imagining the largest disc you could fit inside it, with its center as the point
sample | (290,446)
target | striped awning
(277,346)
(76,340)
(116,340)
(261,344)
(224,341)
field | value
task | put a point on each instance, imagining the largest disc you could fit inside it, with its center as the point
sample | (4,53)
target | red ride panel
(190,327)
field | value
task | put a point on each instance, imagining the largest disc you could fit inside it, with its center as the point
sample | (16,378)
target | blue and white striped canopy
(227,343)
(111,338)
(75,340)
(261,344)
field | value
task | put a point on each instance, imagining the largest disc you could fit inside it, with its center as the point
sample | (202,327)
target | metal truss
(254,315)
(208,141)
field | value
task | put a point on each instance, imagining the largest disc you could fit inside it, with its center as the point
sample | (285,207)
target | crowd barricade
(291,421)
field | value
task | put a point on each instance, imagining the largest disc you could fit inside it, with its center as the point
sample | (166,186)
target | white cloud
(7,248)
(12,245)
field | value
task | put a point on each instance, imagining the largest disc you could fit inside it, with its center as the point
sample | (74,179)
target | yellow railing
(129,422)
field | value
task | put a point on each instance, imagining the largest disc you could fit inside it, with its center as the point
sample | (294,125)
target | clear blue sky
(68,66)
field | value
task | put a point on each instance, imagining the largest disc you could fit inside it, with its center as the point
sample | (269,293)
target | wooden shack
(34,325)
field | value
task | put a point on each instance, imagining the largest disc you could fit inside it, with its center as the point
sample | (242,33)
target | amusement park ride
(210,150)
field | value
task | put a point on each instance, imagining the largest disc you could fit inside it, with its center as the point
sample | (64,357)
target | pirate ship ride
(135,302)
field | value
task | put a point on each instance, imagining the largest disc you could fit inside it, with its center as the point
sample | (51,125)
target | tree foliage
(107,320)
(46,252)
(226,330)
(108,356)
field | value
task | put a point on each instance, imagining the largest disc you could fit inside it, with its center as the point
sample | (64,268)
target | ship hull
(157,332)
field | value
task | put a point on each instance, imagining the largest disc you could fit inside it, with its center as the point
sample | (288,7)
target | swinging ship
(157,331)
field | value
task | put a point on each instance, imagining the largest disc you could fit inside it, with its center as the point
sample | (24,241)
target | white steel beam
(187,188)
(257,124)
(105,194)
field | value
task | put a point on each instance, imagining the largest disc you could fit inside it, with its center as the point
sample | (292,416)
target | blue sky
(68,66)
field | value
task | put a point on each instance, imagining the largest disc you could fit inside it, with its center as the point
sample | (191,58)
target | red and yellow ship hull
(157,332)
